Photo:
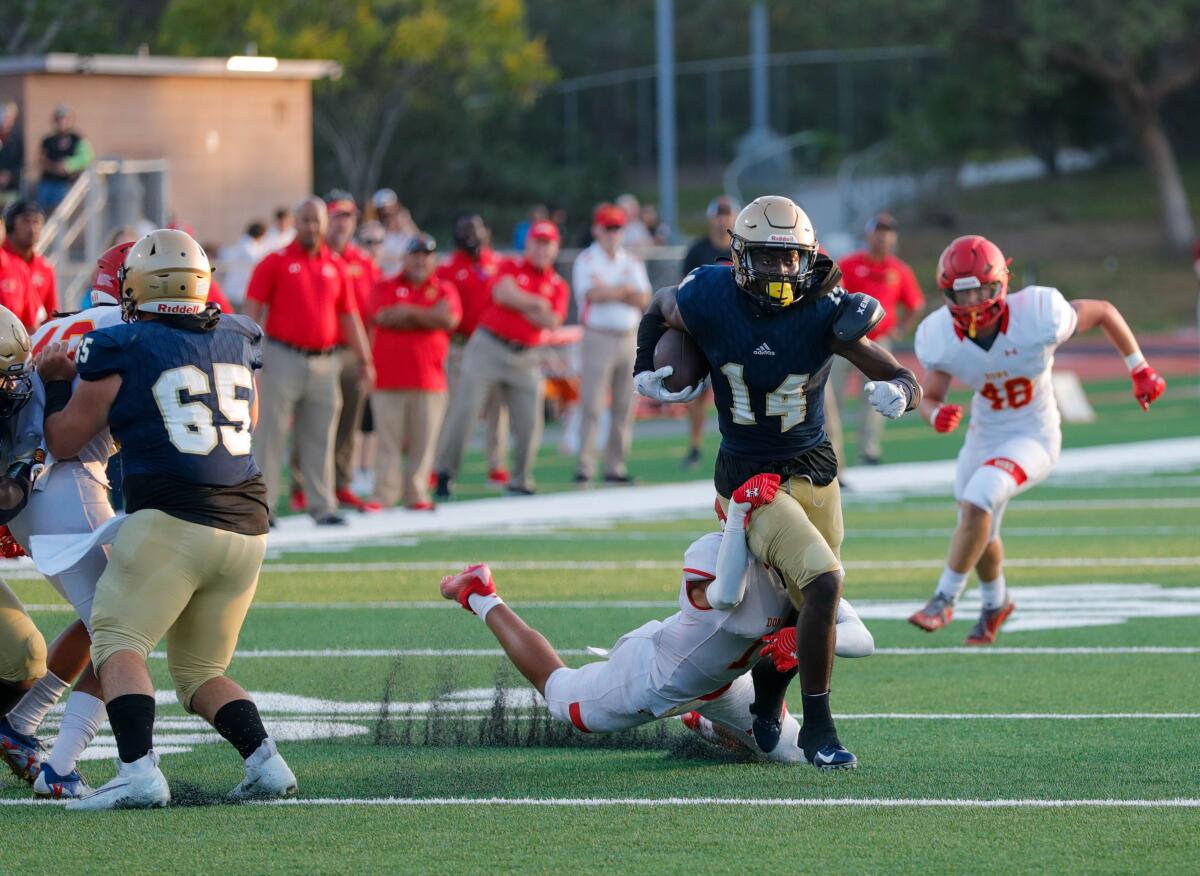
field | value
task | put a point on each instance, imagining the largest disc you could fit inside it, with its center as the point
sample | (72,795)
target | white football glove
(650,384)
(887,397)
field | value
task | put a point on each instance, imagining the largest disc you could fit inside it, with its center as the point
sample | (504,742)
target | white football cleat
(267,776)
(138,785)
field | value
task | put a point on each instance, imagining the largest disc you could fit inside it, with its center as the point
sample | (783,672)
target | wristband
(58,393)
(1135,360)
(933,414)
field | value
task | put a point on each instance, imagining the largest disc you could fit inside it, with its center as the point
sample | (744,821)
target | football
(678,350)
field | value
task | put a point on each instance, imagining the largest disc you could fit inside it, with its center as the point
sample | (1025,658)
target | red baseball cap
(544,230)
(609,216)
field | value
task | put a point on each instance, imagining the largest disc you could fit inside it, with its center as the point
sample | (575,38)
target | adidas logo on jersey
(763,350)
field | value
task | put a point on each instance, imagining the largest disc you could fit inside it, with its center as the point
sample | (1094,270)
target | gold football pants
(188,582)
(799,534)
(22,648)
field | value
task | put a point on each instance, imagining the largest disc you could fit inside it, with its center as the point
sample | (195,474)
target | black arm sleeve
(652,327)
(908,382)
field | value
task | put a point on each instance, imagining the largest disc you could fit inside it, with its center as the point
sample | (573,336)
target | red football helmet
(106,288)
(974,262)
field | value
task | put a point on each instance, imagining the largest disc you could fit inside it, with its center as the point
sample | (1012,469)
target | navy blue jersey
(768,372)
(183,410)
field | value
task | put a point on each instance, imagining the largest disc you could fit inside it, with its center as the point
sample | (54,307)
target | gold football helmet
(16,364)
(774,250)
(165,272)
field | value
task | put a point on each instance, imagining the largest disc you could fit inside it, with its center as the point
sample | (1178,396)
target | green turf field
(1072,746)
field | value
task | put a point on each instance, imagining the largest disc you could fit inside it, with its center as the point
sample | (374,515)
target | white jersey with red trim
(700,650)
(70,329)
(1013,390)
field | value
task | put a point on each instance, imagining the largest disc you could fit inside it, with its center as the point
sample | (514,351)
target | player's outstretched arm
(1093,313)
(733,557)
(893,389)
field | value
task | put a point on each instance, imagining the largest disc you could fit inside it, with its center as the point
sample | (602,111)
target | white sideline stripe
(649,802)
(607,565)
(267,653)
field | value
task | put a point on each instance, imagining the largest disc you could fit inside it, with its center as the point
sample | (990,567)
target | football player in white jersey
(68,497)
(694,664)
(1003,348)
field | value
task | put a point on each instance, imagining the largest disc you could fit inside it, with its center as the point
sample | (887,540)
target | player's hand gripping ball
(683,355)
(946,418)
(781,648)
(1147,385)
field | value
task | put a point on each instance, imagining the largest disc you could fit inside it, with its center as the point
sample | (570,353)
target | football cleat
(346,497)
(989,623)
(138,785)
(268,776)
(935,615)
(22,753)
(832,756)
(767,731)
(297,501)
(498,477)
(711,733)
(472,579)
(50,784)
(442,485)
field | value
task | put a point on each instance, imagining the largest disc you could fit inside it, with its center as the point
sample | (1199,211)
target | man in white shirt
(238,261)
(280,232)
(611,291)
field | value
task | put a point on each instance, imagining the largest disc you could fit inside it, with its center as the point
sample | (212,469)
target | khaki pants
(406,424)
(870,421)
(298,394)
(354,401)
(495,414)
(490,366)
(22,648)
(607,365)
(799,533)
(188,582)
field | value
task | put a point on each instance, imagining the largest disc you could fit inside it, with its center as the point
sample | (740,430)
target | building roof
(237,67)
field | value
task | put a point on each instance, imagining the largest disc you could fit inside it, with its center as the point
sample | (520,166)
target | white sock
(951,584)
(27,715)
(993,593)
(481,604)
(84,716)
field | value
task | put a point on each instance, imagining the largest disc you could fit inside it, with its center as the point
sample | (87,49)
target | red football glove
(781,648)
(9,549)
(758,491)
(947,417)
(1147,385)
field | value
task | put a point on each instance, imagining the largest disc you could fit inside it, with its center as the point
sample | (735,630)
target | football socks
(951,584)
(817,716)
(80,724)
(132,720)
(481,604)
(29,713)
(239,722)
(993,593)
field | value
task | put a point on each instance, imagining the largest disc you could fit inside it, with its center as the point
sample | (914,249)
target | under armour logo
(763,350)
(751,492)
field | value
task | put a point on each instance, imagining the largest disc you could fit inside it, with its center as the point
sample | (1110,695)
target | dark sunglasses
(372,241)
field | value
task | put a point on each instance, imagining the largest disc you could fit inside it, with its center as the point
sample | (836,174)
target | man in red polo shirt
(527,298)
(310,307)
(15,293)
(413,314)
(23,224)
(879,273)
(472,269)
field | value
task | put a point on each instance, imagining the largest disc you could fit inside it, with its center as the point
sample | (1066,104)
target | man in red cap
(503,353)
(611,291)
(878,272)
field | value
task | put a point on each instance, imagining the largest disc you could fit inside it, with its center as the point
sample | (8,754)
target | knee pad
(22,649)
(989,488)
(106,642)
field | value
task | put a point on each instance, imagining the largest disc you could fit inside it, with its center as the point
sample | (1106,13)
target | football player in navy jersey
(769,326)
(175,385)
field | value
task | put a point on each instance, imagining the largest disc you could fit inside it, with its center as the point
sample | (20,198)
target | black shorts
(819,464)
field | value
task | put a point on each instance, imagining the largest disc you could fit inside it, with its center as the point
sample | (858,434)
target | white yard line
(654,802)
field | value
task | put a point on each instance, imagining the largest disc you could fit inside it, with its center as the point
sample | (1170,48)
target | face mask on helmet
(974,307)
(776,275)
(15,391)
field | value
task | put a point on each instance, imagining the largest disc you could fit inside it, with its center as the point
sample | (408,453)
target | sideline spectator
(363,274)
(65,155)
(239,259)
(472,269)
(413,314)
(309,307)
(636,232)
(611,291)
(14,284)
(12,153)
(23,225)
(281,231)
(712,247)
(398,230)
(879,273)
(527,298)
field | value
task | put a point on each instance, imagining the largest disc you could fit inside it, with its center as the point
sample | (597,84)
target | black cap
(21,207)
(421,243)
